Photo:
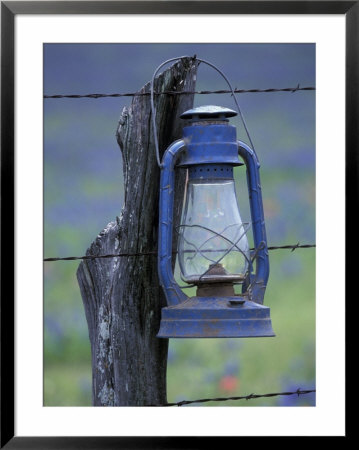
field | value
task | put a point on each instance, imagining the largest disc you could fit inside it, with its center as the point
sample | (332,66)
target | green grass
(67,385)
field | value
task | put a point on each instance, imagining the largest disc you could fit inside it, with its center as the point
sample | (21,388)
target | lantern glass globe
(212,246)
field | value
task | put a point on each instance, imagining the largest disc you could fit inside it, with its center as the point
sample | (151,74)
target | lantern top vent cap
(208,112)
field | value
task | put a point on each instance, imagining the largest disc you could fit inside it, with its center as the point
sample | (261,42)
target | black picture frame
(9,9)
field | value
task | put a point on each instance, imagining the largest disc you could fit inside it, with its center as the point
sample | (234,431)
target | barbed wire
(298,392)
(154,253)
(221,91)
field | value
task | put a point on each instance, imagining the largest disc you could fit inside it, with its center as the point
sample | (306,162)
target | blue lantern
(213,249)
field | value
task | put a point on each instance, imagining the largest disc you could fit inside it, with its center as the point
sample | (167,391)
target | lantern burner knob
(208,112)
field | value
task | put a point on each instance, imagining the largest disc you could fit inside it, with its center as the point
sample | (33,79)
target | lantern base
(212,317)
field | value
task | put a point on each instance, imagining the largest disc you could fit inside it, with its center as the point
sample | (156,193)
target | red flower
(228,383)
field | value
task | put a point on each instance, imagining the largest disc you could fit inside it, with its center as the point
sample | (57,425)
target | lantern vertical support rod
(259,280)
(174,293)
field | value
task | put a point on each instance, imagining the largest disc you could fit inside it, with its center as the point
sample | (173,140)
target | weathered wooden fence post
(121,296)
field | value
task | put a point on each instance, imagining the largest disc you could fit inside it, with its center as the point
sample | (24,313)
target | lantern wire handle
(153,109)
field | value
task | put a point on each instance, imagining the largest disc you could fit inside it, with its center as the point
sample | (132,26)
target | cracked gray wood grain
(121,296)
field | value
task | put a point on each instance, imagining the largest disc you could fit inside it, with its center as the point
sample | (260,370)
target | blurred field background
(83,191)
